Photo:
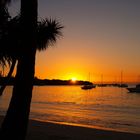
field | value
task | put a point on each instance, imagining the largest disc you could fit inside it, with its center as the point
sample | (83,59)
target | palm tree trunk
(8,76)
(15,123)
(16,119)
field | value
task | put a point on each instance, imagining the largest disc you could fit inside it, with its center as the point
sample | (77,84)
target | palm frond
(8,39)
(49,31)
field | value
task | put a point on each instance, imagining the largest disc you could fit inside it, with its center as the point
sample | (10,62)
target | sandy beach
(39,130)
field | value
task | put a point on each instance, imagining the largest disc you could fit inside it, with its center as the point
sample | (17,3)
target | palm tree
(48,31)
(16,119)
(4,18)
(7,51)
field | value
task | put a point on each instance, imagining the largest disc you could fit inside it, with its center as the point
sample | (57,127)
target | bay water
(110,108)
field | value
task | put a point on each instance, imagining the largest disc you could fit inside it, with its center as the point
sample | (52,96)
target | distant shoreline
(59,82)
(43,82)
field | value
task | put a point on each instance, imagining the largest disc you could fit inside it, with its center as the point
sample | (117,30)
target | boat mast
(121,77)
(101,79)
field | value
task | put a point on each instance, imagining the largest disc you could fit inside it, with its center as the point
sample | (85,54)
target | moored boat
(134,89)
(88,86)
(122,85)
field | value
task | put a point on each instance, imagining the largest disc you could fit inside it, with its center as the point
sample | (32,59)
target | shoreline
(40,130)
(84,126)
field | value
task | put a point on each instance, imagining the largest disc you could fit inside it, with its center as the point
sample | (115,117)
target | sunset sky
(100,37)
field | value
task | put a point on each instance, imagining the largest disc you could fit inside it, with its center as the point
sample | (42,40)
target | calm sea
(103,107)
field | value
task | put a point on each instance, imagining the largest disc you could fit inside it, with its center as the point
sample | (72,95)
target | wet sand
(39,130)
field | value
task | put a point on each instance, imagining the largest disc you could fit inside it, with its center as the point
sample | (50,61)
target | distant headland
(43,82)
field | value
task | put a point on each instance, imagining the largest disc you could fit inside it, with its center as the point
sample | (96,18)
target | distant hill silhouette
(43,82)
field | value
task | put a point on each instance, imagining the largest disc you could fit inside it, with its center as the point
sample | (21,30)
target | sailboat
(122,85)
(101,84)
(88,86)
(134,89)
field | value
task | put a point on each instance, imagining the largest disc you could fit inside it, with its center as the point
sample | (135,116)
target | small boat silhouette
(135,89)
(88,86)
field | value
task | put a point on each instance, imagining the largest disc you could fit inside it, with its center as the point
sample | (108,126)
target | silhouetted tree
(47,32)
(16,119)
(15,122)
(4,18)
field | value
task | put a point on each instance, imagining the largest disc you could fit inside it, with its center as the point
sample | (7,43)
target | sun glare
(73,79)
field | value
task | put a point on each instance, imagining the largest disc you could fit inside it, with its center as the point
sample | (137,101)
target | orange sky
(101,37)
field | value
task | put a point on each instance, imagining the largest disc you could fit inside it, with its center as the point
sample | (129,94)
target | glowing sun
(73,79)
